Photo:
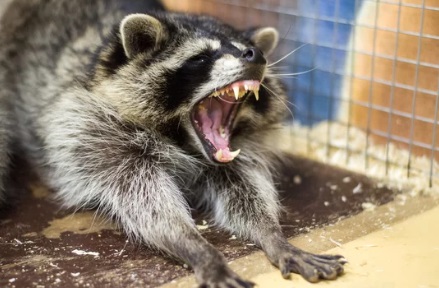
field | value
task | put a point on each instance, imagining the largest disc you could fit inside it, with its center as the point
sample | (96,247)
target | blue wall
(326,25)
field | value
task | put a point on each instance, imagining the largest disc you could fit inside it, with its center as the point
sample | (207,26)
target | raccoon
(145,114)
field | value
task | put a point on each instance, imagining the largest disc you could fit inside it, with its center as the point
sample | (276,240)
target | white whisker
(279,67)
(283,77)
(294,74)
(275,95)
(274,63)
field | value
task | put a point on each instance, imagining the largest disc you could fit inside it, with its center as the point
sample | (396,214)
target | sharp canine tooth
(256,92)
(219,154)
(235,153)
(236,91)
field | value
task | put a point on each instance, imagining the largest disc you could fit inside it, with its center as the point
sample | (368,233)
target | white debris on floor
(329,142)
(81,252)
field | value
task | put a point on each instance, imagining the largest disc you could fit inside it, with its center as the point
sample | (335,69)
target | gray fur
(5,143)
(96,112)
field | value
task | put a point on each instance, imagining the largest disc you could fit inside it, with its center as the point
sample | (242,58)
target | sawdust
(30,235)
(82,253)
(34,261)
(130,269)
(78,223)
(328,142)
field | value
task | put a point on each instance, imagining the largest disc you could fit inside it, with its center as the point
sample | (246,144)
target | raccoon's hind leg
(245,202)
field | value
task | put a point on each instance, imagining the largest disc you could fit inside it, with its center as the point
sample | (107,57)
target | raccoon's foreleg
(132,176)
(149,205)
(246,203)
(155,211)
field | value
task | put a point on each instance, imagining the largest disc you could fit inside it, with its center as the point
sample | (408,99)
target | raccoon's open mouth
(213,118)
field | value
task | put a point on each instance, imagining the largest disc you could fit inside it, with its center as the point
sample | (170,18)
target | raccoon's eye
(200,58)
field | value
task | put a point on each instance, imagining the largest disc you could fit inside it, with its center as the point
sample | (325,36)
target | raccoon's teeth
(219,154)
(236,92)
(235,153)
(256,92)
(229,155)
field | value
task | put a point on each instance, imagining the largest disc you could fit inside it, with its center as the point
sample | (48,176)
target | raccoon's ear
(265,39)
(140,33)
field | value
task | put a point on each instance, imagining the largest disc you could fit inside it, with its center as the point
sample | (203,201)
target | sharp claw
(312,267)
(340,270)
(329,257)
(286,274)
(329,273)
(245,284)
(285,269)
(311,276)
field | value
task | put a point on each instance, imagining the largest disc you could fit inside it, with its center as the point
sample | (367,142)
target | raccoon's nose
(253,55)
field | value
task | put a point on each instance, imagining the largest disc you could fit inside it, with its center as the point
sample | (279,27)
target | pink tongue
(211,122)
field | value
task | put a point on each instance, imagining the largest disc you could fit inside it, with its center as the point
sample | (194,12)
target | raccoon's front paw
(224,278)
(312,267)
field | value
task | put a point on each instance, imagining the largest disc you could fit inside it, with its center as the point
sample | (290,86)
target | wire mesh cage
(363,79)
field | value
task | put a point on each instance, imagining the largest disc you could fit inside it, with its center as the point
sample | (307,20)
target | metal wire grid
(391,110)
(300,23)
